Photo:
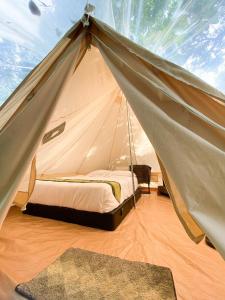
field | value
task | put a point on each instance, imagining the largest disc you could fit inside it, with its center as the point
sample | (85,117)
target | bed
(100,199)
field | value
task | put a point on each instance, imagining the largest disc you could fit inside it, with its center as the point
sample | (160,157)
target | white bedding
(94,197)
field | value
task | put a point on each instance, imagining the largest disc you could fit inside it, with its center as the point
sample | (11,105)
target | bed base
(107,221)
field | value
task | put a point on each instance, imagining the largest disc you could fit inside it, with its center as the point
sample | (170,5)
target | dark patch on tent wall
(58,32)
(53,133)
(34,8)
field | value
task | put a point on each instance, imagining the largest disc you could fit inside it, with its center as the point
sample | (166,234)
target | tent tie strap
(88,10)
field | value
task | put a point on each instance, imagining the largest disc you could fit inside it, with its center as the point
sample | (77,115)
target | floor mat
(81,274)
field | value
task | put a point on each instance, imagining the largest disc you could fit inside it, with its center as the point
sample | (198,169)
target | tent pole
(132,140)
(130,148)
(114,134)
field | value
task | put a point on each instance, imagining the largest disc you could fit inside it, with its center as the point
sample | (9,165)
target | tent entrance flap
(26,186)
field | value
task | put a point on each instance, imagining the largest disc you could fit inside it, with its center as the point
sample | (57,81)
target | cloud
(214,29)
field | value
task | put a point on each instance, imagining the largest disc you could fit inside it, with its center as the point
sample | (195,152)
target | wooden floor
(150,233)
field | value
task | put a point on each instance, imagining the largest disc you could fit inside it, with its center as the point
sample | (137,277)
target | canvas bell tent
(69,116)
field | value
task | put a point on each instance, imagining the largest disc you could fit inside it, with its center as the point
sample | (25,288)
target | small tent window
(53,133)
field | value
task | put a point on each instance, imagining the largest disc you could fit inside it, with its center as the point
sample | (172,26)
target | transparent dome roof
(188,33)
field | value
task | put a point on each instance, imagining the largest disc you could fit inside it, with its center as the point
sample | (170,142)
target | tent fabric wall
(181,115)
(189,120)
(96,130)
(21,134)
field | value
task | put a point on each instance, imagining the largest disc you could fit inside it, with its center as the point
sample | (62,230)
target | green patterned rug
(81,274)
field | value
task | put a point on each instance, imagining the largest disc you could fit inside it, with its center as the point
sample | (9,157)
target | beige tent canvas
(81,90)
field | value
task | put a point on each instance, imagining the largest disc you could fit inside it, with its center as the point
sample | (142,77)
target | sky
(188,33)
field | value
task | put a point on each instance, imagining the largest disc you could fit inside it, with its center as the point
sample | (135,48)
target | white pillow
(99,173)
(122,173)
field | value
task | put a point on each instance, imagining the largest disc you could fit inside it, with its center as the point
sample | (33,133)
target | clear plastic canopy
(188,33)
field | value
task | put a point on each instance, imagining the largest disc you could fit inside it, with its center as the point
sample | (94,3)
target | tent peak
(88,10)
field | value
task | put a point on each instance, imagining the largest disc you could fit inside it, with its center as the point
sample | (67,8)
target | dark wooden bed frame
(106,221)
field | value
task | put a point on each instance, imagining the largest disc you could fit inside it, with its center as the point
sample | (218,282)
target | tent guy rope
(130,149)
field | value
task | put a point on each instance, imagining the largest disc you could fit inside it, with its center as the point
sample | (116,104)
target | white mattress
(94,197)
